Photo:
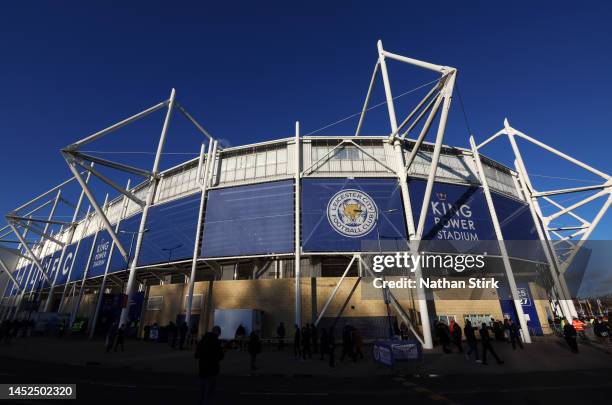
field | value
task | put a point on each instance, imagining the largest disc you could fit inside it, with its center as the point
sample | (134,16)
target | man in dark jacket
(254,347)
(347,343)
(486,345)
(182,332)
(306,341)
(470,336)
(515,334)
(120,337)
(443,335)
(569,332)
(209,353)
(297,341)
(456,335)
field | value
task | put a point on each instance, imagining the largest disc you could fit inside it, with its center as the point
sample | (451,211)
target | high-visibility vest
(578,325)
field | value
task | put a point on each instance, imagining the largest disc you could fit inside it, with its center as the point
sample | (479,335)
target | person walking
(498,330)
(443,334)
(569,333)
(456,335)
(314,337)
(331,347)
(602,332)
(514,331)
(182,332)
(171,331)
(110,337)
(120,337)
(358,344)
(297,342)
(486,345)
(347,343)
(240,336)
(324,343)
(280,335)
(506,328)
(470,336)
(579,327)
(254,348)
(306,341)
(209,354)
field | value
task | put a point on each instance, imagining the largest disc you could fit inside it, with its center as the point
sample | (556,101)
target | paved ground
(153,373)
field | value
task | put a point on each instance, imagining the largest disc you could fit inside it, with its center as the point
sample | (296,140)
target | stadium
(283,228)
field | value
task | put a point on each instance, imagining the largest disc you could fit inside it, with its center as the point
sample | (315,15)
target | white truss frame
(74,157)
(436,103)
(558,262)
(437,100)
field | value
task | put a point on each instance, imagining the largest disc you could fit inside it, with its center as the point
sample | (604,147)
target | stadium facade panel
(249,222)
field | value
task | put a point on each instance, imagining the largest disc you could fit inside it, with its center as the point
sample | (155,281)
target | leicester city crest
(352,213)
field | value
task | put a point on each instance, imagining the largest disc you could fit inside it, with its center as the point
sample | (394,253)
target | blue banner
(455,212)
(249,220)
(80,261)
(518,228)
(100,254)
(169,234)
(527,304)
(459,216)
(338,215)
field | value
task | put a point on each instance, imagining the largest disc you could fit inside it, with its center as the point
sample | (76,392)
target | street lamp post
(170,250)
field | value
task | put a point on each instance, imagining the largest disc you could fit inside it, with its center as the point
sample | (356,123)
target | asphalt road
(103,385)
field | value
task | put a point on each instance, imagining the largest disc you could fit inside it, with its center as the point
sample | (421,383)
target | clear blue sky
(249,71)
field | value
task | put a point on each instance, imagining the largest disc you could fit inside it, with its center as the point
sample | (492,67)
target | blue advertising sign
(527,304)
(100,255)
(170,226)
(338,215)
(248,220)
(518,228)
(455,212)
(20,274)
(80,260)
(459,215)
(171,229)
(169,236)
(64,269)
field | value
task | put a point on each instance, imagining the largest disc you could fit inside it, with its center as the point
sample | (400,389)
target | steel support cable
(372,107)
(465,118)
(126,152)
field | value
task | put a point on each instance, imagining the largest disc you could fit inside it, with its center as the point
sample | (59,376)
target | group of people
(115,337)
(305,341)
(178,336)
(10,329)
(308,340)
(571,331)
(452,336)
